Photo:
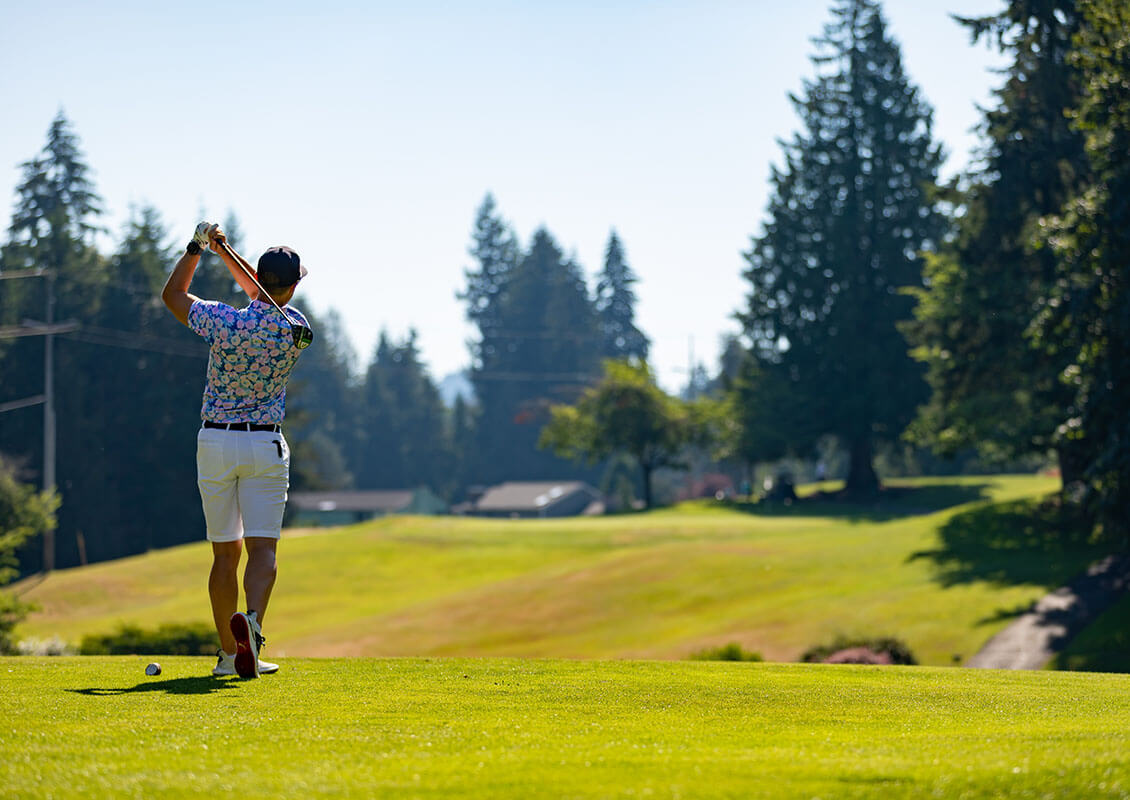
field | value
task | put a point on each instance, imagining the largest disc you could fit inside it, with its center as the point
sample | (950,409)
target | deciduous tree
(625,413)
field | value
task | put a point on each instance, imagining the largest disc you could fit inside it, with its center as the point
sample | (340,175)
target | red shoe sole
(246,659)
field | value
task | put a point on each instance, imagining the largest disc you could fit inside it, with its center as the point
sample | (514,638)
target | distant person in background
(242,458)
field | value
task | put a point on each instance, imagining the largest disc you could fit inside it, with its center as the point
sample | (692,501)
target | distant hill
(662,584)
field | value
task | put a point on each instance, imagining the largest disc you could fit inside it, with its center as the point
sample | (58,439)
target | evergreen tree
(149,498)
(547,353)
(322,408)
(851,209)
(495,249)
(616,307)
(405,440)
(992,389)
(57,202)
(52,227)
(1087,316)
(462,445)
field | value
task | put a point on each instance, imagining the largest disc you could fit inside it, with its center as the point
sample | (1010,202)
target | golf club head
(303,336)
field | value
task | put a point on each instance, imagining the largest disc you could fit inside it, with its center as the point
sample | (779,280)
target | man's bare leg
(223,589)
(259,577)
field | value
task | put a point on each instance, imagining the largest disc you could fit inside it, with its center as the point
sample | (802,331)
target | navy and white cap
(280,267)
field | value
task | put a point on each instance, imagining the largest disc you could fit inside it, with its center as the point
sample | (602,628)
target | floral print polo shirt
(251,357)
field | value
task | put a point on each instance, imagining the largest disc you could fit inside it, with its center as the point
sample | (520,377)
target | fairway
(943,566)
(451,728)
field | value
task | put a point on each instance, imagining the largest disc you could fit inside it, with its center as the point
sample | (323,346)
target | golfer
(242,459)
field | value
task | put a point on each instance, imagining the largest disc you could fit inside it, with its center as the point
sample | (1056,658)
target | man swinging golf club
(242,459)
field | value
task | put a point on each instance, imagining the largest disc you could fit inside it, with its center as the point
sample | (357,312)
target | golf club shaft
(262,292)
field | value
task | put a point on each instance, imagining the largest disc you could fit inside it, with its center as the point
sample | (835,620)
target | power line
(109,337)
(36,329)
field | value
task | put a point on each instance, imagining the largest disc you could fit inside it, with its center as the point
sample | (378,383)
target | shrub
(844,650)
(727,652)
(174,639)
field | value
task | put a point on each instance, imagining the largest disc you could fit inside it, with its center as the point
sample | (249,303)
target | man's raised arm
(175,294)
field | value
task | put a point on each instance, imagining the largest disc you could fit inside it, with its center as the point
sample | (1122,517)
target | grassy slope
(1102,647)
(97,727)
(657,585)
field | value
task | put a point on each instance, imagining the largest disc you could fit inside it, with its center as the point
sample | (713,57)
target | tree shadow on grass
(202,685)
(890,503)
(1003,614)
(1012,543)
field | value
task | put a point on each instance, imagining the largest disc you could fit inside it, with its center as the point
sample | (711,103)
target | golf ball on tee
(153,669)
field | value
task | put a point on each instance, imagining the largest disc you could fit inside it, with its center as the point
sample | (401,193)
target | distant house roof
(387,501)
(531,496)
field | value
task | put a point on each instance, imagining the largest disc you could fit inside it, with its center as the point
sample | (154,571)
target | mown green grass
(941,564)
(98,727)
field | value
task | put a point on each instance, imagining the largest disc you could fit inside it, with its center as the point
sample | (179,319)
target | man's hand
(216,239)
(202,236)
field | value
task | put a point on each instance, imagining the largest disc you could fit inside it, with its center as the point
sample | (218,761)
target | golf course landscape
(940,564)
(453,657)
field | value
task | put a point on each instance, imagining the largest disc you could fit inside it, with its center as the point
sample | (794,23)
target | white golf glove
(203,235)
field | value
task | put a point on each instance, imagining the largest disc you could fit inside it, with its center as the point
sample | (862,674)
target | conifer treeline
(128,380)
(986,317)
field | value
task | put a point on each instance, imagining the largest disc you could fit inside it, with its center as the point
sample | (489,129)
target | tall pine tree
(322,408)
(992,388)
(405,442)
(495,250)
(1087,316)
(538,344)
(52,229)
(850,212)
(548,351)
(616,307)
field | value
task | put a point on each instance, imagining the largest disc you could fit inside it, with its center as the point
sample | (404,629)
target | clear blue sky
(365,135)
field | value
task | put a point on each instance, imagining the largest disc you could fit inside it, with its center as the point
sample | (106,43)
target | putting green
(98,727)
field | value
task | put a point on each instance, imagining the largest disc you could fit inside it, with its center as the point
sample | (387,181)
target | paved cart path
(1041,633)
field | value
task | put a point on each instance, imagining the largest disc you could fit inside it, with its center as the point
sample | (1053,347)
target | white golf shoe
(225,665)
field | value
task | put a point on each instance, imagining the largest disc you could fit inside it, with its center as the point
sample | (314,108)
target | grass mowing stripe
(97,727)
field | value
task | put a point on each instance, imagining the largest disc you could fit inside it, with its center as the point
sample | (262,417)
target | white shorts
(243,478)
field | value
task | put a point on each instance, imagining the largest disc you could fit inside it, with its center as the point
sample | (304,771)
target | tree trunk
(646,470)
(861,478)
(1072,460)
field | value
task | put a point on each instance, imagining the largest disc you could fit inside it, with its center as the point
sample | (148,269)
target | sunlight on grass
(99,728)
(662,584)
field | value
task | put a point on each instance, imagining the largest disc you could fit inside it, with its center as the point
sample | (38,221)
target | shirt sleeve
(211,319)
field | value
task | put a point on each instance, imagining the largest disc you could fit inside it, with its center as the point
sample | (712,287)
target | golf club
(302,335)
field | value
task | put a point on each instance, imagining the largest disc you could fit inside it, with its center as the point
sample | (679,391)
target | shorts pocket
(212,458)
(272,455)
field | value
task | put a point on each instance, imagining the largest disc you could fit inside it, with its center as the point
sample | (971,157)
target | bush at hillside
(167,640)
(727,652)
(844,650)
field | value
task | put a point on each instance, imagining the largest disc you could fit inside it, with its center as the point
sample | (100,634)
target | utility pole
(49,420)
(48,329)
